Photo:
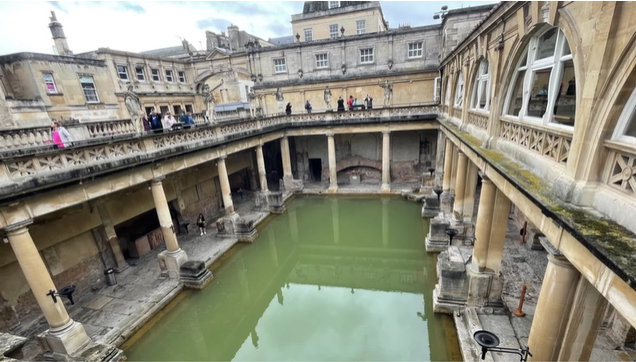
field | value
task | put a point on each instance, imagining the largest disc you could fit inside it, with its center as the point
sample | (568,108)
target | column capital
(18,227)
(222,158)
(158,179)
(386,132)
(329,134)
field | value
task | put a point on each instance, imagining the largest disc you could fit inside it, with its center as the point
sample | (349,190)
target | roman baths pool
(330,279)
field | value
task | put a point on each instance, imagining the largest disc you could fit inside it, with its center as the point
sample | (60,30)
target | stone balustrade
(620,170)
(23,138)
(479,119)
(549,143)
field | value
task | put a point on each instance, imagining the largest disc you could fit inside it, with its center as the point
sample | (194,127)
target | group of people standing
(155,121)
(353,102)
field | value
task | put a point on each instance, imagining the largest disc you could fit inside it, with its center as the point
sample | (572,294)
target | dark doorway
(273,164)
(177,110)
(148,109)
(315,168)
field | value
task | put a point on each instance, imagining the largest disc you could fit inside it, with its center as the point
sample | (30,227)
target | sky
(146,25)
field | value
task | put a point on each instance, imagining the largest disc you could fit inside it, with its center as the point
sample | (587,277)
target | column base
(437,240)
(430,208)
(332,189)
(385,189)
(171,261)
(446,202)
(66,339)
(120,269)
(288,182)
(484,289)
(276,202)
(194,274)
(245,230)
(451,292)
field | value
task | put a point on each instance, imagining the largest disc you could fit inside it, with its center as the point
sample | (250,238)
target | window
(415,50)
(308,35)
(88,86)
(155,75)
(459,90)
(446,92)
(322,61)
(182,78)
(49,83)
(280,66)
(169,76)
(625,129)
(123,72)
(141,76)
(543,88)
(333,31)
(361,26)
(481,90)
(366,55)
(334,4)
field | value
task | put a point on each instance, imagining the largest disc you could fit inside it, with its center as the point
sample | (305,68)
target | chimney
(58,36)
(232,33)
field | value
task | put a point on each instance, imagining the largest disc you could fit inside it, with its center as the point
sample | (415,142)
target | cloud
(214,23)
(58,6)
(279,29)
(128,6)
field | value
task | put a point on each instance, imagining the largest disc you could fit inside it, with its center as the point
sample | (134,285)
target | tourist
(168,121)
(288,109)
(61,137)
(355,102)
(350,103)
(201,224)
(341,107)
(190,121)
(308,106)
(144,122)
(183,118)
(368,102)
(155,120)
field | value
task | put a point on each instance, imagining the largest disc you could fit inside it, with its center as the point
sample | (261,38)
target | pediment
(216,55)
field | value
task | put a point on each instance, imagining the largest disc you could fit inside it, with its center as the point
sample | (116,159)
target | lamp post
(489,342)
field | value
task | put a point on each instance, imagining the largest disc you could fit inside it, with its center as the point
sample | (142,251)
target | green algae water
(330,279)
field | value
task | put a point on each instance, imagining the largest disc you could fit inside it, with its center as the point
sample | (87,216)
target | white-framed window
(308,35)
(88,87)
(334,4)
(141,75)
(481,90)
(625,130)
(322,60)
(122,70)
(49,83)
(459,90)
(155,75)
(169,78)
(333,31)
(280,66)
(361,26)
(447,92)
(366,55)
(543,87)
(416,49)
(182,78)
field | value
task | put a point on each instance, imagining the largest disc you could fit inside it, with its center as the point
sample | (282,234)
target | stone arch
(364,145)
(472,73)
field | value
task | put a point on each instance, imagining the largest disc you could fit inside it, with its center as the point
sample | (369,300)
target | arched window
(447,92)
(625,130)
(543,86)
(459,90)
(481,90)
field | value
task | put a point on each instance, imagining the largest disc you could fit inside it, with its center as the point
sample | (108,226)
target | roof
(311,6)
(282,40)
(168,52)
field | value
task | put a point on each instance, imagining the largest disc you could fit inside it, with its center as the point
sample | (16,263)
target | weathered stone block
(194,274)
(437,240)
(451,292)
(245,230)
(430,208)
(484,289)
(276,202)
(447,199)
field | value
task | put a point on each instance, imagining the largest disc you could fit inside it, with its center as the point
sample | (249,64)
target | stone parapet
(194,275)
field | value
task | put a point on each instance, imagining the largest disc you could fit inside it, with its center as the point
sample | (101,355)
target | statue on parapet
(208,99)
(388,92)
(251,96)
(327,97)
(279,100)
(131,100)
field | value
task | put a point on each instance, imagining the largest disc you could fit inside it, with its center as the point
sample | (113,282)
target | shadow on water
(330,279)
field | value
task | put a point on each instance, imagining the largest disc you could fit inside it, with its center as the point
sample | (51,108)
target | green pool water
(330,279)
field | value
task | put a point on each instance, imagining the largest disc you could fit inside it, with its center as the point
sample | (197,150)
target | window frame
(152,75)
(364,26)
(627,116)
(181,74)
(371,54)
(284,64)
(331,3)
(555,64)
(143,74)
(326,60)
(311,34)
(482,79)
(54,91)
(94,88)
(123,71)
(409,50)
(447,92)
(459,102)
(168,75)
(333,35)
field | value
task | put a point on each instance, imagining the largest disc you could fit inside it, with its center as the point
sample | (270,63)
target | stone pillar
(173,257)
(262,175)
(385,221)
(460,186)
(484,222)
(448,166)
(65,335)
(333,175)
(469,194)
(120,261)
(287,171)
(498,228)
(455,158)
(226,193)
(585,320)
(553,308)
(386,162)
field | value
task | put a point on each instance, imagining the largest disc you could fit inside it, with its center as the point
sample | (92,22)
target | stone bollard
(430,208)
(451,292)
(194,274)
(245,230)
(276,202)
(437,240)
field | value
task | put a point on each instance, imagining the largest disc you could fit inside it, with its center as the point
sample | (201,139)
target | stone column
(226,193)
(260,161)
(173,257)
(469,193)
(460,186)
(585,320)
(553,307)
(484,222)
(333,175)
(386,162)
(448,166)
(454,169)
(498,228)
(65,335)
(120,261)
(287,171)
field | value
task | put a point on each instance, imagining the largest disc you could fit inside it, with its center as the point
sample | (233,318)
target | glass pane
(631,127)
(517,95)
(538,102)
(566,47)
(546,45)
(482,94)
(565,104)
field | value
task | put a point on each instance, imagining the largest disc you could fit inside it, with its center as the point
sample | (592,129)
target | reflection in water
(357,283)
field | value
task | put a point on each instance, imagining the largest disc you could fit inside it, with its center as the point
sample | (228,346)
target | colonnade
(569,310)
